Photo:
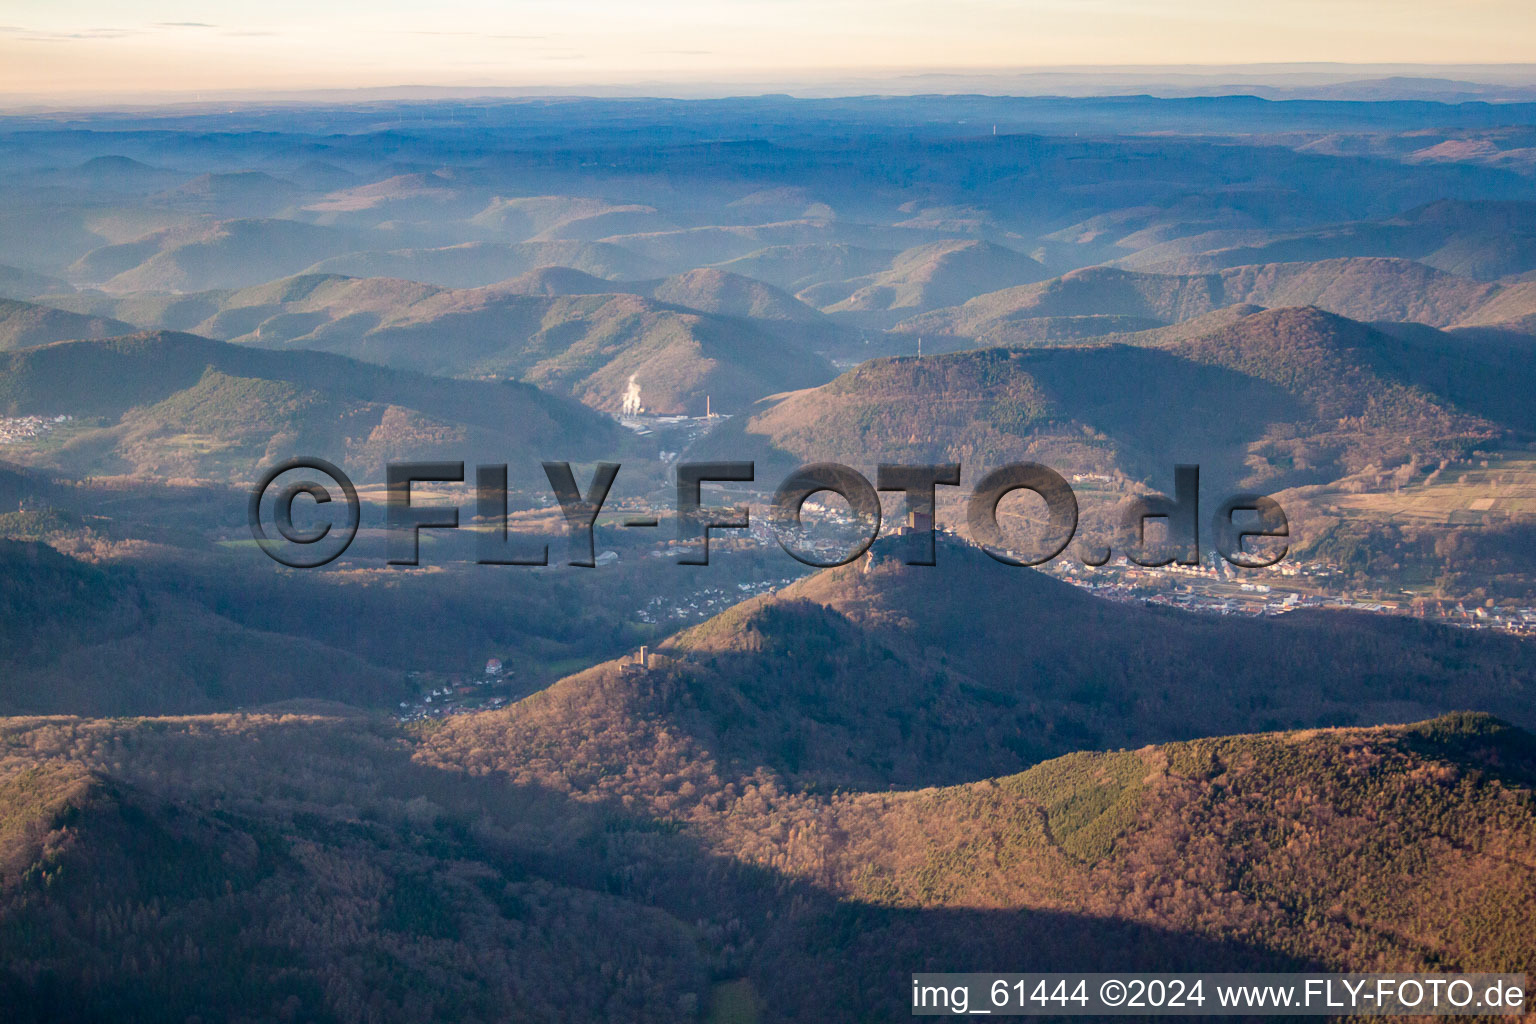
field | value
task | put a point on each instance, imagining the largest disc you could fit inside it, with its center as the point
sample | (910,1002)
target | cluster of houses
(1217,589)
(1518,620)
(703,603)
(24,428)
(457,694)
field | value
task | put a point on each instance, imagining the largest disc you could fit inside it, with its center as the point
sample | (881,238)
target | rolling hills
(712,290)
(111,639)
(568,218)
(927,277)
(1297,841)
(415,197)
(479,263)
(684,248)
(232,194)
(1267,399)
(798,267)
(241,251)
(440,923)
(870,676)
(25,324)
(586,344)
(325,864)
(707,290)
(1363,289)
(1482,240)
(235,791)
(16,283)
(227,254)
(168,404)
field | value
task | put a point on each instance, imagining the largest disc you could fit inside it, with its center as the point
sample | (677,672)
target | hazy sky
(66,46)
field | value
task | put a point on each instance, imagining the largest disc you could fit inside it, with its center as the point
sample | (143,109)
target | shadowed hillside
(102,639)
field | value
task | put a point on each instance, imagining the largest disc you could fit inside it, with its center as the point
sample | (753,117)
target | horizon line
(819,84)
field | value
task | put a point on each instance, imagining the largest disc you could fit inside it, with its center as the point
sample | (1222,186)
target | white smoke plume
(631,406)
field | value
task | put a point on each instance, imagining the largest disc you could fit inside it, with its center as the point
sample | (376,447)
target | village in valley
(458,693)
(26,428)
